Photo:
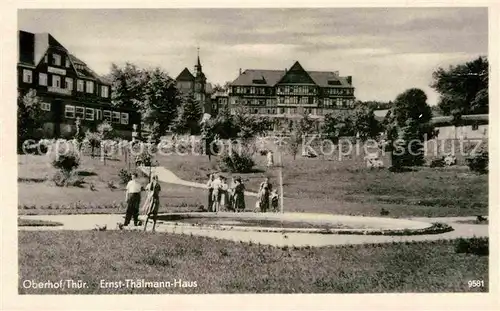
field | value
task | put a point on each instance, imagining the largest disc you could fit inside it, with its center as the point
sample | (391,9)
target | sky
(385,50)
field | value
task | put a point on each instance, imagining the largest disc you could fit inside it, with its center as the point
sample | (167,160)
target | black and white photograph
(310,150)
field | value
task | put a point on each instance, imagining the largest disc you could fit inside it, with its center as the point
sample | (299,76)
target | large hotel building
(68,88)
(288,93)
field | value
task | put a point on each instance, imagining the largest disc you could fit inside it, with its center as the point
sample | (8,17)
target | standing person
(217,193)
(264,193)
(210,188)
(239,196)
(153,201)
(133,199)
(274,200)
(224,194)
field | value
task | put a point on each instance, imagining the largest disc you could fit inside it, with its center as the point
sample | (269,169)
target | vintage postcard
(181,151)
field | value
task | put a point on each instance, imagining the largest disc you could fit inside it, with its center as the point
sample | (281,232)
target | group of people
(231,197)
(222,196)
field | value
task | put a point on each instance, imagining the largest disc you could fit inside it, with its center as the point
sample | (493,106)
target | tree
(463,88)
(365,123)
(127,84)
(407,127)
(189,116)
(29,116)
(161,100)
(336,126)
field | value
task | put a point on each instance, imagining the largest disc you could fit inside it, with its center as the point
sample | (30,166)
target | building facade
(68,88)
(471,127)
(197,85)
(289,93)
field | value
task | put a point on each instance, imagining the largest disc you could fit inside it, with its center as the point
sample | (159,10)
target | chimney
(336,73)
(240,71)
(349,80)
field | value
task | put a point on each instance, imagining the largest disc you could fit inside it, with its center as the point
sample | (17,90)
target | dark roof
(273,77)
(34,46)
(297,74)
(185,75)
(270,77)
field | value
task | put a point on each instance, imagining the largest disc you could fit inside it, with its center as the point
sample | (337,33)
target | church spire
(198,53)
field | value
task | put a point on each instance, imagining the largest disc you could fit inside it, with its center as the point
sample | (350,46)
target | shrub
(64,179)
(236,163)
(478,162)
(438,162)
(476,246)
(125,176)
(66,162)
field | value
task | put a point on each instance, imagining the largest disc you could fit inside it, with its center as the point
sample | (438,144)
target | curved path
(167,176)
(89,222)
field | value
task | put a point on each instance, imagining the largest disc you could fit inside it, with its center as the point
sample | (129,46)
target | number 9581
(476,283)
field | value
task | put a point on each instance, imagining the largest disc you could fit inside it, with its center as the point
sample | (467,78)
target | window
(90,87)
(69,83)
(46,58)
(107,115)
(79,112)
(69,112)
(68,63)
(475,127)
(79,85)
(56,59)
(98,113)
(116,117)
(45,106)
(42,79)
(124,119)
(56,81)
(27,76)
(89,114)
(104,91)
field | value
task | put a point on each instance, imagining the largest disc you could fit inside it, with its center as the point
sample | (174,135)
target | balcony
(54,89)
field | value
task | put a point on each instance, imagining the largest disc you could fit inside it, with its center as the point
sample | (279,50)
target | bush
(67,162)
(236,163)
(63,179)
(478,162)
(476,246)
(38,148)
(125,176)
(439,162)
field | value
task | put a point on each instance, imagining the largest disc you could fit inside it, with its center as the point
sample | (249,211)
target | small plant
(478,162)
(111,185)
(236,163)
(125,176)
(476,246)
(438,162)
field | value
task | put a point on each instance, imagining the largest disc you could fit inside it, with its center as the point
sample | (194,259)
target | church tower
(200,80)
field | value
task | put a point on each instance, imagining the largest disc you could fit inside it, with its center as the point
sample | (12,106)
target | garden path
(167,176)
(89,222)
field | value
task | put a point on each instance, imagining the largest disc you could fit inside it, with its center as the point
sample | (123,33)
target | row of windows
(249,90)
(72,112)
(81,85)
(338,102)
(339,91)
(296,89)
(291,111)
(297,100)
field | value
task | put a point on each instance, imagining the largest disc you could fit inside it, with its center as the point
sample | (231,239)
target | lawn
(321,185)
(219,266)
(348,187)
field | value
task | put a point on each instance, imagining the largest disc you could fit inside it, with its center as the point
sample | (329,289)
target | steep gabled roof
(296,74)
(260,77)
(185,75)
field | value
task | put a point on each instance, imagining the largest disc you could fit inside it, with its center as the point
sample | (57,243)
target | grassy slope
(348,187)
(221,266)
(312,185)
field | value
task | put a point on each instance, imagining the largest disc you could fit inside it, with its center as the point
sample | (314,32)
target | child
(274,200)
